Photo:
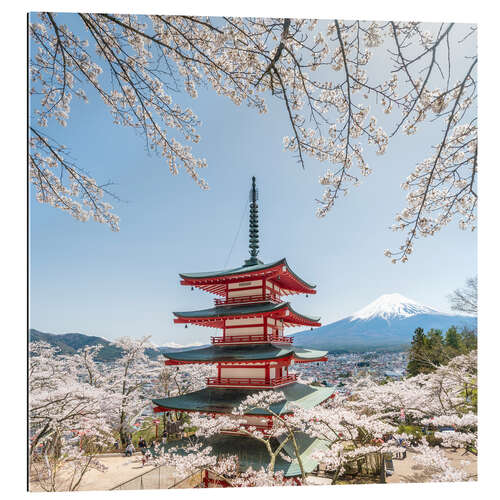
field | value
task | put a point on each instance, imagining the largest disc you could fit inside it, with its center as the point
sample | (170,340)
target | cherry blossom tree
(351,436)
(356,427)
(178,380)
(67,420)
(75,403)
(322,73)
(129,385)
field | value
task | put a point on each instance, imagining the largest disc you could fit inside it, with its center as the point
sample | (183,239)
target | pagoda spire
(253,243)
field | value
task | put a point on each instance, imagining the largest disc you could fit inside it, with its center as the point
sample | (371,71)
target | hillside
(69,343)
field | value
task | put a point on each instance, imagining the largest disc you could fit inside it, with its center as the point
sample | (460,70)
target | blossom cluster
(136,63)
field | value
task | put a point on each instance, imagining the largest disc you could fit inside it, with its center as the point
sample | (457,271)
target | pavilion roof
(214,316)
(223,400)
(252,453)
(214,281)
(242,352)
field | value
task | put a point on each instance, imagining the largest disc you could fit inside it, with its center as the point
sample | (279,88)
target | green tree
(430,350)
(416,352)
(469,339)
(453,339)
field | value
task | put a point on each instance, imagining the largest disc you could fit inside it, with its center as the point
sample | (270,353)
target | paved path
(119,469)
(405,471)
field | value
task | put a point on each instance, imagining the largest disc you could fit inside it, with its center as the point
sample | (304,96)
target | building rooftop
(283,310)
(252,453)
(252,352)
(279,271)
(223,400)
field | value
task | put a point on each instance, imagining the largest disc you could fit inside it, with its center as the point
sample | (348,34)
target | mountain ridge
(69,343)
(388,322)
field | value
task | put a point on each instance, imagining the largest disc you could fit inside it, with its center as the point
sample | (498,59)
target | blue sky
(85,278)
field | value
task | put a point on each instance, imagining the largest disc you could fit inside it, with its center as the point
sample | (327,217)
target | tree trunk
(123,437)
(297,454)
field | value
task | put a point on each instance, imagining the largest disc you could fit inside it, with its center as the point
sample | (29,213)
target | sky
(85,278)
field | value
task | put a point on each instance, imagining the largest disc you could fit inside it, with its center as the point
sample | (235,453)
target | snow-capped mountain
(390,306)
(387,322)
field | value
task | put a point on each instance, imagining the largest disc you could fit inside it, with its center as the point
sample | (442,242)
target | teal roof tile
(241,309)
(244,269)
(252,453)
(248,352)
(223,400)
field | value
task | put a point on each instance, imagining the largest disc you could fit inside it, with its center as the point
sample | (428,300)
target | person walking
(142,445)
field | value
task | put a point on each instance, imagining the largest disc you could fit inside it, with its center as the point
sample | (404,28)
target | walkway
(406,472)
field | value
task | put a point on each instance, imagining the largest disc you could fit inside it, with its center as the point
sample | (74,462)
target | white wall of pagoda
(244,289)
(238,326)
(245,372)
(256,326)
(254,287)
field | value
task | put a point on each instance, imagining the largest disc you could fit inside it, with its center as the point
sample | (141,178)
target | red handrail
(236,339)
(268,297)
(252,382)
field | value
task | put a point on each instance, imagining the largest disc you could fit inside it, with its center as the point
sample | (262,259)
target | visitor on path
(164,437)
(129,450)
(142,445)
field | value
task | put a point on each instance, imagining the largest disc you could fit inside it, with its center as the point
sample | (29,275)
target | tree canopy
(318,70)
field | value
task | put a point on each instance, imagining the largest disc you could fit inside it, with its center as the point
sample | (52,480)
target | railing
(252,382)
(242,339)
(159,478)
(163,477)
(268,297)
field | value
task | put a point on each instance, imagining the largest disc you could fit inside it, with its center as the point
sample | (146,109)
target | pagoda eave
(246,363)
(219,323)
(216,316)
(223,400)
(279,272)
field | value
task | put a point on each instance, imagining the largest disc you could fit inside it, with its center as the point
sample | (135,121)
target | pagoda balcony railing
(264,428)
(251,382)
(245,339)
(268,297)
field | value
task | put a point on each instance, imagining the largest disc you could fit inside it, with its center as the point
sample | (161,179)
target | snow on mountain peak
(392,305)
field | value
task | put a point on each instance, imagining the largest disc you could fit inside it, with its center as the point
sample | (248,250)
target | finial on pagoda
(254,227)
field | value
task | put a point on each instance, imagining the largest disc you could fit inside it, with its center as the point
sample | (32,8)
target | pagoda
(251,352)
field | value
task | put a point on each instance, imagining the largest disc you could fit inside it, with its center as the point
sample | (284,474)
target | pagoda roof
(245,352)
(288,280)
(214,315)
(223,400)
(253,453)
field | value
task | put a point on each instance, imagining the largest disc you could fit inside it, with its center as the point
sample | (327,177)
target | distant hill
(69,343)
(388,323)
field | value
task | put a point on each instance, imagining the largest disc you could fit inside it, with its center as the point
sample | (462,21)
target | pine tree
(417,352)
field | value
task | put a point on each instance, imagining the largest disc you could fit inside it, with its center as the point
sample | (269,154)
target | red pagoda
(251,352)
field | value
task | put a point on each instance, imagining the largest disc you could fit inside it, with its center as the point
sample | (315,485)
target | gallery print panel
(252,252)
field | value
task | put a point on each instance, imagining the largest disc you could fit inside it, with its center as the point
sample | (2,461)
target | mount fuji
(386,323)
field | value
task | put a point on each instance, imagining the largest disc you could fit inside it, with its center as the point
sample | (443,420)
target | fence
(162,478)
(155,479)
